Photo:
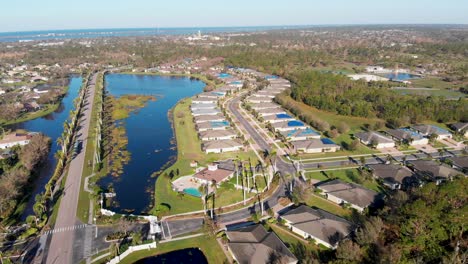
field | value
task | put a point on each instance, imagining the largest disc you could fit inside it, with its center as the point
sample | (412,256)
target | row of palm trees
(246,174)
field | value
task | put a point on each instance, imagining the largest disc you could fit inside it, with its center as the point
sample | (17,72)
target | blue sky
(17,15)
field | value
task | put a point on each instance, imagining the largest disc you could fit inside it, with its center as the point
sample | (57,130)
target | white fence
(130,250)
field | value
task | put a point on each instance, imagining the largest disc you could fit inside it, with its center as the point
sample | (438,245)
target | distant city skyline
(30,15)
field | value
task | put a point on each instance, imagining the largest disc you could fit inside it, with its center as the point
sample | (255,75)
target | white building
(14,139)
(220,146)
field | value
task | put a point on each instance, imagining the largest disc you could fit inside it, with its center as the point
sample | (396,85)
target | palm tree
(214,187)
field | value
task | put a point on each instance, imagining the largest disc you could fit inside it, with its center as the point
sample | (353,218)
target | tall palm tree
(214,187)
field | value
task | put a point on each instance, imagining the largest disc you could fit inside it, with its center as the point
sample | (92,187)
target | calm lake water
(149,135)
(184,256)
(401,76)
(52,126)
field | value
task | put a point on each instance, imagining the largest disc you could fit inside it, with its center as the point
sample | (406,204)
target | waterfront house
(203,106)
(213,174)
(323,227)
(375,140)
(14,139)
(260,106)
(253,244)
(460,163)
(300,134)
(207,118)
(394,176)
(461,128)
(432,171)
(354,195)
(315,146)
(201,112)
(220,146)
(204,100)
(212,125)
(289,125)
(428,130)
(407,136)
(218,134)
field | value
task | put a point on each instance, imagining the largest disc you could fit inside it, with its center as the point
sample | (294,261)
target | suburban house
(325,228)
(394,176)
(204,100)
(218,134)
(278,118)
(14,139)
(407,136)
(268,93)
(461,128)
(375,140)
(212,125)
(341,192)
(270,111)
(301,134)
(257,99)
(315,145)
(207,118)
(289,125)
(200,112)
(220,146)
(460,163)
(264,95)
(203,106)
(427,130)
(212,94)
(433,171)
(253,244)
(213,174)
(259,106)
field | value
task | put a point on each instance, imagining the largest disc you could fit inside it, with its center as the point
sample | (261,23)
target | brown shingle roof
(350,192)
(253,244)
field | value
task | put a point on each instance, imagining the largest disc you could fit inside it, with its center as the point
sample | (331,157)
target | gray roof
(264,105)
(350,192)
(373,136)
(253,244)
(221,144)
(312,143)
(430,129)
(461,162)
(206,118)
(319,223)
(432,169)
(217,133)
(391,173)
(460,126)
(401,134)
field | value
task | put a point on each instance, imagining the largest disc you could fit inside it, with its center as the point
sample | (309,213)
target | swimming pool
(219,123)
(193,192)
(224,75)
(294,123)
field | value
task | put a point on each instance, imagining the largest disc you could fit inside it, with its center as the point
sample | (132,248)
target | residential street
(62,243)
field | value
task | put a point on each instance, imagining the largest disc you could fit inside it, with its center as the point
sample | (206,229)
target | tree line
(341,95)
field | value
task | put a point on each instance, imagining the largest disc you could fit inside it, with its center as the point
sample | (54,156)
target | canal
(52,126)
(150,136)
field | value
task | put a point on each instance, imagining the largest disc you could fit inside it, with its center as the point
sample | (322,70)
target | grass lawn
(189,149)
(49,108)
(431,82)
(347,175)
(208,245)
(322,203)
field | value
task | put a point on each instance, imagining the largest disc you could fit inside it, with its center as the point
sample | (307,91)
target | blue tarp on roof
(283,116)
(294,123)
(327,141)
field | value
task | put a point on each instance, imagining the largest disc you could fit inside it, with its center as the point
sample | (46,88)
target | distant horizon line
(250,26)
